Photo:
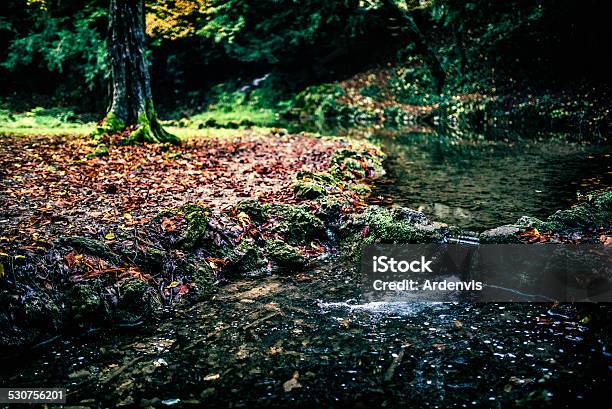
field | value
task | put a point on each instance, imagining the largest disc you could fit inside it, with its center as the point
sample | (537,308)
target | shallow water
(483,182)
(312,341)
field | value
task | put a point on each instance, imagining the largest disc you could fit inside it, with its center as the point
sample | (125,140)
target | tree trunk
(131,107)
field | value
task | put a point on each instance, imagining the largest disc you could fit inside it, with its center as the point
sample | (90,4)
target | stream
(310,340)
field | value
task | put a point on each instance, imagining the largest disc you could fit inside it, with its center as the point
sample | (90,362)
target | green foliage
(63,39)
(412,83)
(271,31)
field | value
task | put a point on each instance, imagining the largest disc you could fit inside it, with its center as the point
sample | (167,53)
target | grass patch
(44,121)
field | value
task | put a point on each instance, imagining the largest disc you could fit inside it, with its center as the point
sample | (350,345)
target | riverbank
(399,96)
(104,248)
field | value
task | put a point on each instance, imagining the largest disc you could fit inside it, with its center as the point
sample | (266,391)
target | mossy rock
(597,212)
(603,202)
(284,257)
(576,218)
(249,259)
(527,221)
(90,246)
(295,223)
(86,303)
(199,272)
(41,310)
(135,295)
(251,208)
(381,225)
(307,190)
(196,218)
(151,259)
(311,185)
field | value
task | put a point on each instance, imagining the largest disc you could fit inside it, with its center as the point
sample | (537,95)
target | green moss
(595,212)
(85,302)
(295,223)
(284,257)
(251,208)
(200,273)
(111,125)
(248,257)
(603,201)
(380,225)
(307,190)
(134,294)
(150,259)
(197,222)
(90,246)
(311,185)
(100,151)
(527,221)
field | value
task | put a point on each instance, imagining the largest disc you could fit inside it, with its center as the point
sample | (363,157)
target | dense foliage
(56,49)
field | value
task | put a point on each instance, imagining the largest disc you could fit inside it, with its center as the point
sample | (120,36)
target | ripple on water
(379,307)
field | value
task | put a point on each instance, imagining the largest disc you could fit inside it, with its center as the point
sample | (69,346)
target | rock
(86,303)
(502,234)
(380,225)
(284,257)
(252,208)
(249,259)
(295,223)
(90,246)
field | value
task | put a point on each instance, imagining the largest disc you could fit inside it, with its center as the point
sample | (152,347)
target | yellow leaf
(109,236)
(172,284)
(1,270)
(127,216)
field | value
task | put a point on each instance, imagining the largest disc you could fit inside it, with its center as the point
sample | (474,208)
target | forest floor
(51,188)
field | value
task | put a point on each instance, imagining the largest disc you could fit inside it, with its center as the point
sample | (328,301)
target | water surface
(479,182)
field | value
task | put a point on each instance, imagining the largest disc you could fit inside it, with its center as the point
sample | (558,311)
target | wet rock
(198,271)
(284,258)
(527,221)
(248,258)
(135,295)
(148,403)
(90,246)
(380,225)
(86,303)
(502,234)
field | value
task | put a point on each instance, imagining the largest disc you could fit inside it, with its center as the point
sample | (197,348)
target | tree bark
(131,107)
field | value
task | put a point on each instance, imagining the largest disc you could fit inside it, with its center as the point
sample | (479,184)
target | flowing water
(310,340)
